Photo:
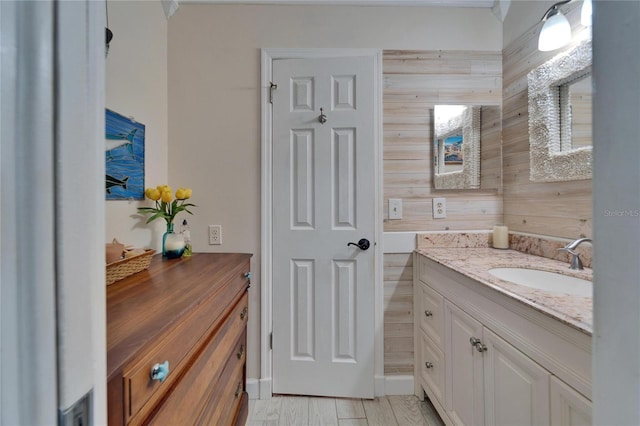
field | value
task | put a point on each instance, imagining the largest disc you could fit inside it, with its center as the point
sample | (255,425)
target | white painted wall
(136,85)
(28,352)
(79,224)
(616,185)
(214,98)
(53,343)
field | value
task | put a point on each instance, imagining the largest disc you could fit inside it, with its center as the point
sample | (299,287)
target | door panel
(464,375)
(323,198)
(516,388)
(568,407)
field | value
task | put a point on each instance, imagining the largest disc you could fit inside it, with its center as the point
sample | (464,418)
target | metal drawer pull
(160,371)
(240,352)
(243,314)
(428,364)
(475,342)
(239,389)
(428,313)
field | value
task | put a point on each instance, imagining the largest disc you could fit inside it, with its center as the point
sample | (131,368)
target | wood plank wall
(415,81)
(561,209)
(398,314)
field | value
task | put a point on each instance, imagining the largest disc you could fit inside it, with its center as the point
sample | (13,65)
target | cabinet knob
(239,389)
(240,352)
(475,342)
(428,364)
(247,275)
(160,371)
(428,313)
(243,314)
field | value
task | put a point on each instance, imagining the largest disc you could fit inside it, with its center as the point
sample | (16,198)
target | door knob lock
(363,244)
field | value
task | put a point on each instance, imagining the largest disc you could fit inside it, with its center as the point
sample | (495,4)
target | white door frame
(266,271)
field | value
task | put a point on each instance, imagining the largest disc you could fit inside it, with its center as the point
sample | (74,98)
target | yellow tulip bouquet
(166,206)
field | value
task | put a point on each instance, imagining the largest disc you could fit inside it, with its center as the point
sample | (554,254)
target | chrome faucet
(575,262)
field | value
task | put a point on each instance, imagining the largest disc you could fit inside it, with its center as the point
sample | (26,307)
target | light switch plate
(439,208)
(395,208)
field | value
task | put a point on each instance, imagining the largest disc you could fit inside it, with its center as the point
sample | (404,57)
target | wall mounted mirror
(560,117)
(466,141)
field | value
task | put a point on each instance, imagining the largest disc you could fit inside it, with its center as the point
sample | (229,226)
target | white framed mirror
(466,147)
(560,117)
(456,146)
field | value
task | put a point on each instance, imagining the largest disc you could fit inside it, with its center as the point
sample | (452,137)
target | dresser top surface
(142,306)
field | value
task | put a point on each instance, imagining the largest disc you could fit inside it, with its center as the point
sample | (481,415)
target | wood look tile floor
(307,411)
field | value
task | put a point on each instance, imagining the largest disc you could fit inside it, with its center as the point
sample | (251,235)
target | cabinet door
(568,407)
(516,388)
(463,379)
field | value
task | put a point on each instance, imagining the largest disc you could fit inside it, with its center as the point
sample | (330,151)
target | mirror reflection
(448,138)
(459,133)
(575,104)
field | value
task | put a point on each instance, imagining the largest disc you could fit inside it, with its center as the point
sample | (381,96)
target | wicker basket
(129,266)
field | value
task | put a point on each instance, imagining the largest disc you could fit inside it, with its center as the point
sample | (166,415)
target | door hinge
(271,341)
(272,87)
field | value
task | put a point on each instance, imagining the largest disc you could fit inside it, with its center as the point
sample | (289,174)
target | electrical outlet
(439,208)
(395,208)
(215,235)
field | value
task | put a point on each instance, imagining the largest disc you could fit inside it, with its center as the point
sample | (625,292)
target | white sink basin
(544,280)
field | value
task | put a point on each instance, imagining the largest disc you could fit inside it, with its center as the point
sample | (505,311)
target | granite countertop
(576,311)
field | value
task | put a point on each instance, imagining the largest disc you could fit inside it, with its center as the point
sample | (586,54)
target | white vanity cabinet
(484,358)
(568,407)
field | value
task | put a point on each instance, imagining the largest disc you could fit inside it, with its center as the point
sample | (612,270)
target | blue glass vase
(172,243)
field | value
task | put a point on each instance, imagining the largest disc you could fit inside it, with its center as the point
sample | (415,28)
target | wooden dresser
(189,315)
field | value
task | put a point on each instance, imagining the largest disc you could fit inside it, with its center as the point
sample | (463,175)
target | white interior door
(323,199)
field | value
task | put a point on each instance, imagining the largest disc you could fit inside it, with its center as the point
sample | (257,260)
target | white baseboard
(384,385)
(398,385)
(265,388)
(253,388)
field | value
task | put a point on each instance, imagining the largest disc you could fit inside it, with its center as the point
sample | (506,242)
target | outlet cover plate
(215,235)
(439,208)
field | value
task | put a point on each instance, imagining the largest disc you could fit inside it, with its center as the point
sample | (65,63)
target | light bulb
(555,33)
(585,13)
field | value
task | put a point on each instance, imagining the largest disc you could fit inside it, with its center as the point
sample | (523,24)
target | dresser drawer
(431,314)
(432,368)
(177,347)
(190,395)
(224,403)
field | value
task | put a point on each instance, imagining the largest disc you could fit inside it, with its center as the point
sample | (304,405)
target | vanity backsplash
(536,245)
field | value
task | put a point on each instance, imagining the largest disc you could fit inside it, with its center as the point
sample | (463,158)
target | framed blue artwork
(124,154)
(453,150)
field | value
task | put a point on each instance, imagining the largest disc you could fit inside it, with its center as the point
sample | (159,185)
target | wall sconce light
(585,13)
(556,31)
